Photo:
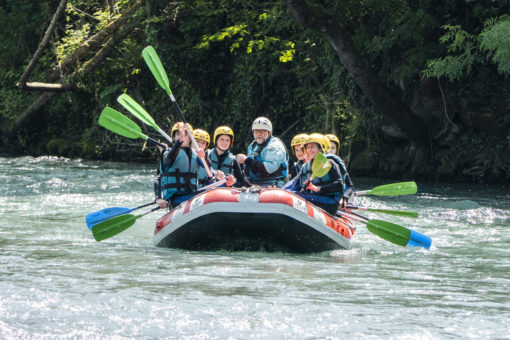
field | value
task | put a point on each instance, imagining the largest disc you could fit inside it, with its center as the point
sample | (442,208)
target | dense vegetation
(414,89)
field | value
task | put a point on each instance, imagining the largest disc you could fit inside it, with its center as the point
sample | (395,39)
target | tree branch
(23,79)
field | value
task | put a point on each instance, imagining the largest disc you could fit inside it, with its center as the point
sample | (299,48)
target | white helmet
(262,123)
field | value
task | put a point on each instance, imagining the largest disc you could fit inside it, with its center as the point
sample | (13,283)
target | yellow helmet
(224,130)
(176,127)
(327,143)
(298,140)
(317,138)
(333,138)
(203,135)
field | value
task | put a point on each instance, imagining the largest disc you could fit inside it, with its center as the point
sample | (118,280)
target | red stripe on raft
(221,195)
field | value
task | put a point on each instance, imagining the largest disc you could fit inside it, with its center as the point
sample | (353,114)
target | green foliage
(495,39)
(229,61)
(464,50)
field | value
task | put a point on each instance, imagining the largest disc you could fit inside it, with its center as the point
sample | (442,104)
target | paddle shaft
(149,211)
(158,71)
(193,141)
(139,112)
(148,139)
(403,213)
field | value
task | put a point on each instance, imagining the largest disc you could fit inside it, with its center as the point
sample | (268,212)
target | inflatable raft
(252,219)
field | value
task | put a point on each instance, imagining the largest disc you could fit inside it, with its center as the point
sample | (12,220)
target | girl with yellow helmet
(178,168)
(326,191)
(220,156)
(334,144)
(297,145)
(334,147)
(203,140)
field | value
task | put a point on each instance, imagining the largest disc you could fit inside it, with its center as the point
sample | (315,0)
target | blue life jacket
(202,176)
(181,177)
(296,168)
(226,164)
(275,157)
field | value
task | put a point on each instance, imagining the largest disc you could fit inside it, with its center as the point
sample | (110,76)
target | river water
(57,282)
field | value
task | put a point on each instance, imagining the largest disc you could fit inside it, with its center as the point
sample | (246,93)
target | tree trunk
(314,16)
(50,87)
(105,39)
(23,79)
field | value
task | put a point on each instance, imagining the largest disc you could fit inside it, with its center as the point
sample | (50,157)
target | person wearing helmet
(297,146)
(332,154)
(203,140)
(220,156)
(222,159)
(267,161)
(325,191)
(334,144)
(178,168)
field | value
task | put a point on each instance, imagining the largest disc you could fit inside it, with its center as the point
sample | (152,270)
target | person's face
(298,150)
(333,149)
(312,149)
(223,142)
(202,144)
(260,135)
(185,140)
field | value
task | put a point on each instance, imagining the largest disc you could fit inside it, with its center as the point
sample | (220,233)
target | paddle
(320,167)
(152,60)
(404,213)
(139,112)
(115,225)
(116,122)
(392,232)
(395,189)
(104,214)
(118,224)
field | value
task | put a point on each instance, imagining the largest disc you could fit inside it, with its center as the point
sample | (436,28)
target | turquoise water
(57,282)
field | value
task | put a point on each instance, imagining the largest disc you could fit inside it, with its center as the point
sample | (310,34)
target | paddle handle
(194,144)
(143,206)
(164,134)
(213,185)
(149,211)
(403,213)
(148,139)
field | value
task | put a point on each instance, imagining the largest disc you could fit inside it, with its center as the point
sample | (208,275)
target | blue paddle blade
(102,215)
(419,240)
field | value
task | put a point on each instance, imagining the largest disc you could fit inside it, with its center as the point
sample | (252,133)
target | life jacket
(263,153)
(181,177)
(306,174)
(226,161)
(341,165)
(202,176)
(296,168)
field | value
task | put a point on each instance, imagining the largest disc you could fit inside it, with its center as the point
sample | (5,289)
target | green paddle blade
(113,226)
(116,122)
(404,188)
(320,165)
(136,110)
(393,233)
(152,60)
(403,213)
